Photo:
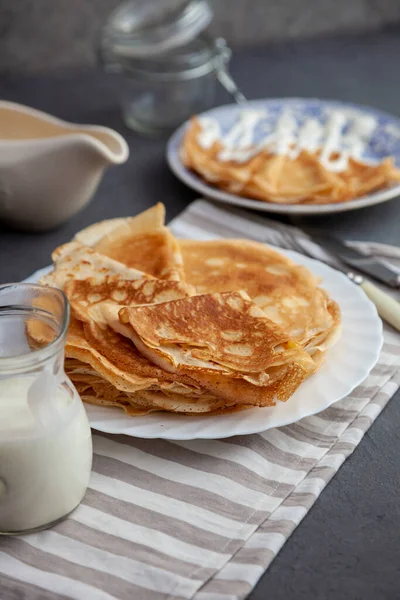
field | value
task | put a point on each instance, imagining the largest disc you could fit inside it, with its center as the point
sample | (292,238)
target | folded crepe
(141,242)
(85,295)
(155,252)
(222,342)
(112,371)
(93,389)
(74,261)
(90,340)
(149,220)
(288,293)
(78,347)
(280,178)
(140,339)
(134,384)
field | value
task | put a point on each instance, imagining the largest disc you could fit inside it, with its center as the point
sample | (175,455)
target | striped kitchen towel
(200,519)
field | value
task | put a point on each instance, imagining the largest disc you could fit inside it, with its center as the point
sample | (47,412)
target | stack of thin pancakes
(280,179)
(186,326)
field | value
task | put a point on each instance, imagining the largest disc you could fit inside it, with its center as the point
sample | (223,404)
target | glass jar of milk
(45,439)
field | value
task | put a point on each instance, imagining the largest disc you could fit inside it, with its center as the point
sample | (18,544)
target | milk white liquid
(45,470)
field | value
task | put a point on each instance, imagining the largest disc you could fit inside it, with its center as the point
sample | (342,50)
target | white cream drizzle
(288,138)
(210,132)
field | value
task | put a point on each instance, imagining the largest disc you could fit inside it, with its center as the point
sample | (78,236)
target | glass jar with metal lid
(171,65)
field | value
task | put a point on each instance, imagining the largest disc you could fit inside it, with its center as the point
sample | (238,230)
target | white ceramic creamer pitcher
(50,169)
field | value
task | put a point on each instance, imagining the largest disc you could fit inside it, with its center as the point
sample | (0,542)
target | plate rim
(196,183)
(374,322)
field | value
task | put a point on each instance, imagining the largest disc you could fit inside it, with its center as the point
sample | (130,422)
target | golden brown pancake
(85,295)
(93,389)
(115,359)
(76,261)
(230,175)
(117,365)
(154,252)
(144,341)
(140,242)
(96,389)
(128,380)
(124,356)
(280,178)
(78,347)
(149,220)
(222,341)
(287,293)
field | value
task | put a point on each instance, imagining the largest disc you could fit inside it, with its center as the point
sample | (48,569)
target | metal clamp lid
(144,28)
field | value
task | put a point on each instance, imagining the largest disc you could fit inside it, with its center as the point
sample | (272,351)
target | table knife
(367,264)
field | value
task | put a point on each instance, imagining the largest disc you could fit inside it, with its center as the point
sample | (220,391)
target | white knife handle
(388,308)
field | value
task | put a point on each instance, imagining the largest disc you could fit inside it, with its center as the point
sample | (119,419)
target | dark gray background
(348,546)
(42,35)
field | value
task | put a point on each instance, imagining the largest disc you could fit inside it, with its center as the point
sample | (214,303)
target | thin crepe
(222,341)
(149,220)
(85,295)
(288,293)
(74,261)
(141,242)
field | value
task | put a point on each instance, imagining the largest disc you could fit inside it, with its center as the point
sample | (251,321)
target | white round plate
(347,364)
(385,142)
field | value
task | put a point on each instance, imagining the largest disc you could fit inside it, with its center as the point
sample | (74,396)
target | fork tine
(298,246)
(283,238)
(291,242)
(275,238)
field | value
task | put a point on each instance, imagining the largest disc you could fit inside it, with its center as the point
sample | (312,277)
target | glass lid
(143,28)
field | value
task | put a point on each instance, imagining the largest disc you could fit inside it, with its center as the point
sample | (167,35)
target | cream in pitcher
(45,440)
(50,169)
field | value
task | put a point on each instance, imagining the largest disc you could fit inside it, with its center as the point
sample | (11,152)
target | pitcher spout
(108,144)
(21,123)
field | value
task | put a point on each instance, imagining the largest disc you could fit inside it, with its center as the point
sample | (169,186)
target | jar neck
(195,60)
(33,326)
(51,359)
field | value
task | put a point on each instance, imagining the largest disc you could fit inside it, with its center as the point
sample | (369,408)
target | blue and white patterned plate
(385,141)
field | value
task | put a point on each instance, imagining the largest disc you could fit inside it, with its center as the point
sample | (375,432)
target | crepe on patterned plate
(280,179)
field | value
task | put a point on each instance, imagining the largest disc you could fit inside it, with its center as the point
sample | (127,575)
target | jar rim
(204,53)
(36,357)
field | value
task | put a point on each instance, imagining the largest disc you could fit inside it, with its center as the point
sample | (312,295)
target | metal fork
(284,238)
(388,308)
